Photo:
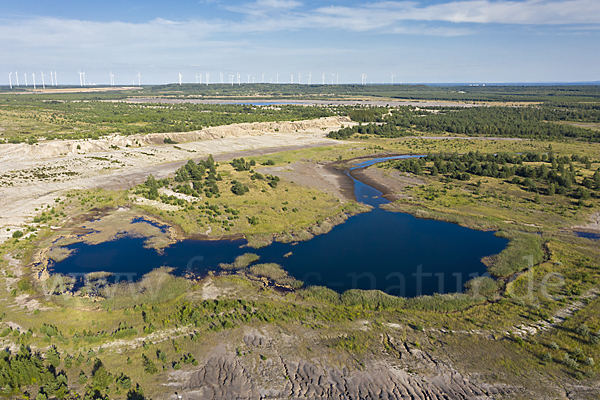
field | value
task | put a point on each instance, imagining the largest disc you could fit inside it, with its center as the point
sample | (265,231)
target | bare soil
(324,176)
(391,183)
(32,176)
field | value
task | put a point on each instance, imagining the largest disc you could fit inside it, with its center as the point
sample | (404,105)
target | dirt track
(392,103)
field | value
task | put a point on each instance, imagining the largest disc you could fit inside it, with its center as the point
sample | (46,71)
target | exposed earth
(32,176)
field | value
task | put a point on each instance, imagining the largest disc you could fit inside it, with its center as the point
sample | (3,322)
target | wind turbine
(83,78)
(25,79)
(393,78)
(231,79)
(332,76)
(17,76)
(364,79)
(112,79)
(80,78)
(221,77)
(52,78)
(278,79)
(299,78)
(248,75)
(323,79)
(292,75)
(263,78)
(55,79)
(139,76)
(10,79)
(43,84)
(309,78)
(337,79)
(207,78)
(33,77)
(239,82)
(180,79)
(196,78)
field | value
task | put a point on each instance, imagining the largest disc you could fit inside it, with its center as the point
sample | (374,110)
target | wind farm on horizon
(234,78)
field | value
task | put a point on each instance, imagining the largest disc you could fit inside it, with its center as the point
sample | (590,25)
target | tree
(149,366)
(101,379)
(53,357)
(239,189)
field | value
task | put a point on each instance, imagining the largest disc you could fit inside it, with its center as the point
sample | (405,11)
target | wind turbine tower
(51,78)
(263,78)
(112,79)
(248,75)
(221,77)
(26,80)
(10,79)
(332,76)
(17,76)
(299,78)
(43,83)
(292,75)
(80,78)
(139,76)
(364,79)
(309,78)
(180,79)
(278,78)
(33,77)
(393,78)
(55,79)
(337,79)
(323,79)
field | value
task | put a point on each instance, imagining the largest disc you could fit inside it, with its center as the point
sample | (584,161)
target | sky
(418,41)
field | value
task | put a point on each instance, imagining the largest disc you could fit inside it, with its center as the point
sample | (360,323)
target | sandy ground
(389,182)
(392,103)
(33,176)
(593,226)
(323,176)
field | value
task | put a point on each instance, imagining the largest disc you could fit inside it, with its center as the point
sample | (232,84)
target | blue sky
(471,41)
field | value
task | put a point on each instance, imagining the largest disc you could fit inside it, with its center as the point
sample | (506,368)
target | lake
(393,252)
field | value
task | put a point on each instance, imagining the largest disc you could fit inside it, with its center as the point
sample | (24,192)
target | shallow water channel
(393,252)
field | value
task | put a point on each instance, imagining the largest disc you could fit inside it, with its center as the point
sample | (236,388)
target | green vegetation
(123,341)
(27,117)
(514,122)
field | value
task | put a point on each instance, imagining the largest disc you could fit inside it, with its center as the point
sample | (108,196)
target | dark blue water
(393,252)
(588,235)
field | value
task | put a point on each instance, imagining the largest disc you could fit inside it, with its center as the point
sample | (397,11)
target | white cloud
(532,12)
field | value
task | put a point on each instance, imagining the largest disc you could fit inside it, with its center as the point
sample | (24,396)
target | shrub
(240,262)
(17,234)
(583,330)
(482,286)
(569,362)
